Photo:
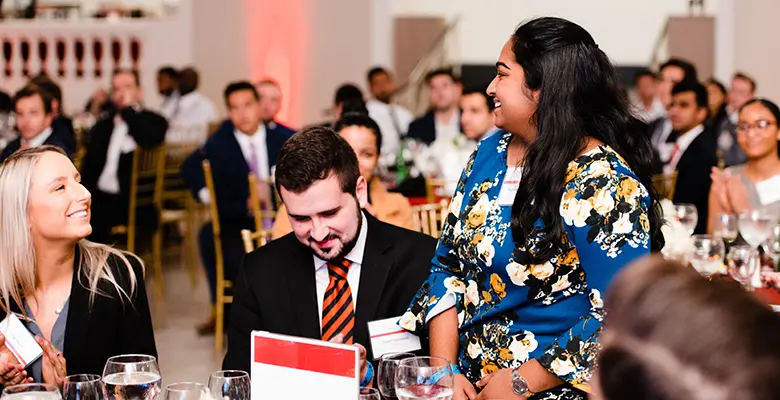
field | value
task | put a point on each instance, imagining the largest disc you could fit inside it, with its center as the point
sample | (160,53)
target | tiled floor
(183,356)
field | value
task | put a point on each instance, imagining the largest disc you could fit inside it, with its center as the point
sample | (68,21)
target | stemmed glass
(687,215)
(369,394)
(83,387)
(755,226)
(740,266)
(385,377)
(134,376)
(726,227)
(186,391)
(32,391)
(772,246)
(424,378)
(707,255)
(232,385)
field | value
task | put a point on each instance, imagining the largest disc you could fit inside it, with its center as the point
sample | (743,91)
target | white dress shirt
(657,110)
(120,143)
(448,129)
(192,109)
(355,256)
(38,140)
(169,104)
(682,144)
(393,121)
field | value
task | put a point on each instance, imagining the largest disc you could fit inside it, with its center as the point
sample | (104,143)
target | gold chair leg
(191,246)
(159,284)
(219,333)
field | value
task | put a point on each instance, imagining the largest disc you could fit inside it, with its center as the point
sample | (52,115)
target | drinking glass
(82,387)
(756,225)
(32,391)
(740,265)
(369,394)
(385,376)
(186,391)
(687,215)
(707,255)
(726,227)
(428,378)
(230,385)
(133,376)
(772,246)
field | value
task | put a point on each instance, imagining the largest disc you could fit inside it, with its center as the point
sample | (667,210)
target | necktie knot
(338,269)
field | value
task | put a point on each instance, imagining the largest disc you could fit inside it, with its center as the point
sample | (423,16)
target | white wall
(625,29)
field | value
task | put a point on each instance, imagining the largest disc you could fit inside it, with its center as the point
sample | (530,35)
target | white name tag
(769,190)
(506,197)
(19,340)
(387,337)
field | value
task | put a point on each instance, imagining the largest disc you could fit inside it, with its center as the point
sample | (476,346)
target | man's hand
(363,363)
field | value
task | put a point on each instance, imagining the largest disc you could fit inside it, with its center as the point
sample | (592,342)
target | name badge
(387,337)
(769,190)
(19,340)
(506,197)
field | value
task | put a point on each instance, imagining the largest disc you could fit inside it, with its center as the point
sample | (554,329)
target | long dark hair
(579,97)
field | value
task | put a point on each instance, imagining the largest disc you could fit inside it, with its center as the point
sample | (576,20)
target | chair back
(254,240)
(174,187)
(429,218)
(214,214)
(145,186)
(664,184)
(260,189)
(434,189)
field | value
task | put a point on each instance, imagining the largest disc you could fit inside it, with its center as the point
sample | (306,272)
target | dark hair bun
(354,107)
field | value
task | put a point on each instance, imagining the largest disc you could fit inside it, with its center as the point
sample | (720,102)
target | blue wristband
(369,376)
(456,369)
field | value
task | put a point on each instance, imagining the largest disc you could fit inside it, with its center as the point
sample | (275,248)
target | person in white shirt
(743,88)
(192,112)
(167,86)
(443,120)
(649,106)
(393,119)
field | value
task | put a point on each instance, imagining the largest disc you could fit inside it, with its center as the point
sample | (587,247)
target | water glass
(756,225)
(134,376)
(726,227)
(369,394)
(385,377)
(687,215)
(83,387)
(740,265)
(230,385)
(772,246)
(32,391)
(707,254)
(186,391)
(424,378)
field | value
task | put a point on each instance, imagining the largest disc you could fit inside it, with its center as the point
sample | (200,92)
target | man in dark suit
(60,122)
(240,146)
(339,269)
(270,103)
(108,162)
(32,107)
(443,119)
(694,148)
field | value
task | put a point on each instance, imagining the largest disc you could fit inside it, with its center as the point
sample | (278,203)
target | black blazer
(108,327)
(55,139)
(229,168)
(275,290)
(693,175)
(145,127)
(424,128)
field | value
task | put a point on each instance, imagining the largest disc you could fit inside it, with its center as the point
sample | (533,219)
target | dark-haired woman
(363,134)
(716,95)
(542,219)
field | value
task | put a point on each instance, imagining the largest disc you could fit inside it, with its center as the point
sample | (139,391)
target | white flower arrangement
(678,242)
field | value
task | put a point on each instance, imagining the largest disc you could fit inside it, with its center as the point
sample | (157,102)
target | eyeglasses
(760,125)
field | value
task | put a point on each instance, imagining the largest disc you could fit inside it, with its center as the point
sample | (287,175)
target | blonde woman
(84,302)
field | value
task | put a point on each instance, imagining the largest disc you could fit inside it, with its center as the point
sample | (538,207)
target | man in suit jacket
(32,107)
(695,148)
(339,269)
(108,162)
(240,146)
(443,120)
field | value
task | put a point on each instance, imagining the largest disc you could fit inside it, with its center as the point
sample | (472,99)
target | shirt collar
(687,138)
(245,139)
(40,139)
(355,256)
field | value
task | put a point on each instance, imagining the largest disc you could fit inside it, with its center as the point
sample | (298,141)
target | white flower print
(595,299)
(603,202)
(542,271)
(561,284)
(458,229)
(622,225)
(575,211)
(454,285)
(408,321)
(456,203)
(523,345)
(486,250)
(474,350)
(599,168)
(562,367)
(517,273)
(472,294)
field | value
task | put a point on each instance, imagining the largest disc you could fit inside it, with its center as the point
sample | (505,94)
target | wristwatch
(519,385)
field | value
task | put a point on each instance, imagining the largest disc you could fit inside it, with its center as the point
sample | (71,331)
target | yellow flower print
(571,257)
(644,222)
(599,168)
(484,187)
(522,348)
(628,188)
(499,287)
(486,296)
(562,367)
(474,350)
(486,250)
(489,369)
(602,201)
(517,273)
(623,225)
(572,173)
(542,271)
(479,213)
(456,203)
(570,194)
(505,354)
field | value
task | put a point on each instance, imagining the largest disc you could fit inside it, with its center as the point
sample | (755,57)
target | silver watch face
(519,385)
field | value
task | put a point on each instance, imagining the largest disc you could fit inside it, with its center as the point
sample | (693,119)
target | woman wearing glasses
(756,183)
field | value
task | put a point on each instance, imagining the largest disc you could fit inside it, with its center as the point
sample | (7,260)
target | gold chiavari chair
(253,240)
(256,189)
(434,188)
(222,284)
(664,184)
(429,218)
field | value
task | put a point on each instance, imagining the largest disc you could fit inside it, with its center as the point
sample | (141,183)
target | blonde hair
(17,253)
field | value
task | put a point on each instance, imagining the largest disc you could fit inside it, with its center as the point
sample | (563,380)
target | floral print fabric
(510,310)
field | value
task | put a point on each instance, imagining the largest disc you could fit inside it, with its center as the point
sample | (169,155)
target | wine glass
(707,255)
(134,376)
(32,391)
(726,227)
(385,376)
(756,225)
(687,215)
(233,385)
(772,246)
(82,387)
(369,394)
(424,378)
(739,264)
(186,391)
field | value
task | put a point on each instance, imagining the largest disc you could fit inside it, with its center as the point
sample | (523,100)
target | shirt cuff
(204,196)
(444,304)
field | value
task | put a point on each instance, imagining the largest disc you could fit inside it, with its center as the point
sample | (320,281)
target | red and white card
(287,367)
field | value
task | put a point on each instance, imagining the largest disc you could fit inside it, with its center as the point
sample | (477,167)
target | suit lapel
(234,148)
(76,326)
(302,288)
(373,275)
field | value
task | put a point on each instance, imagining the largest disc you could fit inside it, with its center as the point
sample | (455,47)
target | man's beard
(346,246)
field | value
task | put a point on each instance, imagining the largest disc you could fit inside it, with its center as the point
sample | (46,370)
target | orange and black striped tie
(338,313)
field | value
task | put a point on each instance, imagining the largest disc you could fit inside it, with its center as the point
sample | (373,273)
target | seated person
(442,121)
(236,149)
(373,268)
(60,122)
(755,183)
(363,135)
(32,107)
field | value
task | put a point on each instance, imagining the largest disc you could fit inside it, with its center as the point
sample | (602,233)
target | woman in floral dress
(541,221)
